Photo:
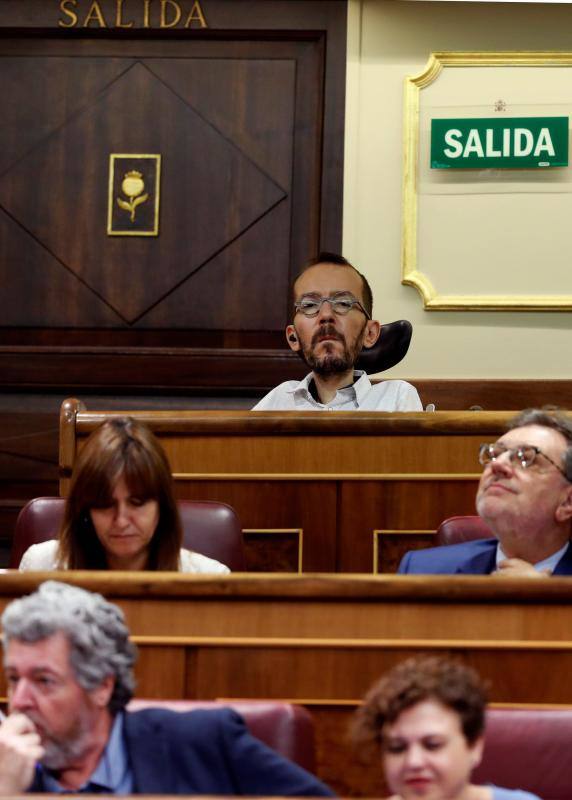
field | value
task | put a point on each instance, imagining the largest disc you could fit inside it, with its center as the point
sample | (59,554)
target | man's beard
(332,363)
(66,750)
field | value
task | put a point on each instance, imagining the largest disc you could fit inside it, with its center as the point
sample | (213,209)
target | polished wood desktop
(317,491)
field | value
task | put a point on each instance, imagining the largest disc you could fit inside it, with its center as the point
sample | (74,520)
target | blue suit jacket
(469,558)
(208,752)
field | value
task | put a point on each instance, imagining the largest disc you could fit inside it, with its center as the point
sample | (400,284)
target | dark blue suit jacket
(208,752)
(469,558)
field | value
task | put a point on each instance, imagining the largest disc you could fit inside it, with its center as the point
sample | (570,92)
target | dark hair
(333,258)
(95,629)
(451,683)
(127,448)
(548,417)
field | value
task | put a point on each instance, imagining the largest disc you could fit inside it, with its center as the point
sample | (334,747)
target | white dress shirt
(360,396)
(547,563)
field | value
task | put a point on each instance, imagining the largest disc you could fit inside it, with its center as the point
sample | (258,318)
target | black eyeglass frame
(331,300)
(516,456)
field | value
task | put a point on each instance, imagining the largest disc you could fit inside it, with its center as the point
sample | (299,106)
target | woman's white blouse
(42,557)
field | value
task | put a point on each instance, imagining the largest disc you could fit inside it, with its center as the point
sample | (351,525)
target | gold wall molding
(416,274)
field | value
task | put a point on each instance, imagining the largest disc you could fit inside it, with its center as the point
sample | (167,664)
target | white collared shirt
(360,396)
(546,563)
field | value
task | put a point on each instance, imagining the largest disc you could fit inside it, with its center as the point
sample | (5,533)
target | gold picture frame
(418,275)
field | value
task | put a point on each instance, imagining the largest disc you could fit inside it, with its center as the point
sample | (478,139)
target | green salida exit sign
(507,143)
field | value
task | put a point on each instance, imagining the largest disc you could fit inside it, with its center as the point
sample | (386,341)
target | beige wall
(388,40)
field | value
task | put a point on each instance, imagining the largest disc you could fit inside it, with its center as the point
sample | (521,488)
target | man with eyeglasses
(332,323)
(525,497)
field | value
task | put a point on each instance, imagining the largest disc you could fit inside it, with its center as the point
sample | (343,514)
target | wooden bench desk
(321,640)
(317,491)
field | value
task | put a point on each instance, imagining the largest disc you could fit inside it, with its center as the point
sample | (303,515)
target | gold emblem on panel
(132,186)
(133,203)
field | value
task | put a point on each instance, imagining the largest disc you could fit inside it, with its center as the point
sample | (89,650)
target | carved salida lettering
(131,14)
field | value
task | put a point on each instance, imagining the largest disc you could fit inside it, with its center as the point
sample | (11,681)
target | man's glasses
(340,303)
(523,456)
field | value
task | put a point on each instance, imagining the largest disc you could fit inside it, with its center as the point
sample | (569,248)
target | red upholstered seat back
(286,728)
(528,749)
(212,529)
(462,529)
(38,521)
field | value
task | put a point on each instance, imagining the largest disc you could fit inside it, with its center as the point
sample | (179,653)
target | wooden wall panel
(250,187)
(279,505)
(274,550)
(159,667)
(134,107)
(28,466)
(340,764)
(495,393)
(398,507)
(330,452)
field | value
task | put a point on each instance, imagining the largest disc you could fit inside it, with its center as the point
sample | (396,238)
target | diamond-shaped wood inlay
(211,192)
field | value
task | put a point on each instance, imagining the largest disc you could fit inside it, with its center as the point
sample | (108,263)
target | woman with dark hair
(427,718)
(121,513)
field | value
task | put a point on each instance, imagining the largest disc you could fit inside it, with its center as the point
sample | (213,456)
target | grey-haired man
(525,497)
(69,669)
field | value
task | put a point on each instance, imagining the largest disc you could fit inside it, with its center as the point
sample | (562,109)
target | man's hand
(518,568)
(20,748)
